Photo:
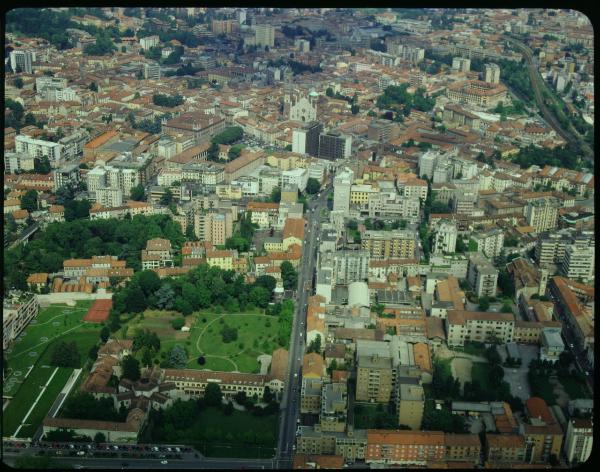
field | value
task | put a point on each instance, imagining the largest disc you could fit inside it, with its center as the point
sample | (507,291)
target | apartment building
(482,276)
(65,175)
(149,42)
(542,213)
(334,145)
(404,447)
(490,242)
(17,313)
(491,73)
(478,326)
(476,92)
(393,205)
(342,184)
(505,448)
(550,247)
(578,440)
(374,375)
(22,60)
(38,148)
(410,403)
(445,236)
(462,448)
(264,214)
(158,253)
(199,126)
(305,140)
(16,162)
(310,395)
(350,445)
(541,442)
(396,244)
(461,64)
(213,227)
(264,35)
(579,262)
(347,265)
(333,413)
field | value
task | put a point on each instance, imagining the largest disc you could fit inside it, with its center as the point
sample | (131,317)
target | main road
(290,400)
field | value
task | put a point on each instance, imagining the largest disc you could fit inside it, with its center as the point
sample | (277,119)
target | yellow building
(221,258)
(410,405)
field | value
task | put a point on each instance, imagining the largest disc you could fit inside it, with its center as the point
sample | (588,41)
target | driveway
(517,377)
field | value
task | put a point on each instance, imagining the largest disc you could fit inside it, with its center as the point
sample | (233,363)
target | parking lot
(517,376)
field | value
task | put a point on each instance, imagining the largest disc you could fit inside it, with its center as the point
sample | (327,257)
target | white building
(579,261)
(427,163)
(22,59)
(152,71)
(552,344)
(490,243)
(295,177)
(491,73)
(302,45)
(482,276)
(264,35)
(149,42)
(109,197)
(542,213)
(342,184)
(461,64)
(37,148)
(445,237)
(578,440)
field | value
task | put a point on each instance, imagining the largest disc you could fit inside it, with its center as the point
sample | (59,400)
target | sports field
(32,352)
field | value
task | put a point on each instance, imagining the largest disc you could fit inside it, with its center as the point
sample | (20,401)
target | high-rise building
(21,59)
(491,73)
(579,440)
(374,377)
(342,183)
(461,64)
(410,403)
(38,148)
(578,262)
(149,41)
(490,242)
(397,244)
(427,163)
(542,213)
(445,237)
(305,140)
(334,146)
(152,71)
(482,276)
(264,35)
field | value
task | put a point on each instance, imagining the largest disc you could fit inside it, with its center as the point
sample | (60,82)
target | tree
(289,275)
(275,195)
(165,297)
(177,323)
(484,303)
(138,193)
(93,352)
(167,198)
(131,368)
(18,82)
(315,345)
(29,201)
(177,357)
(329,92)
(66,355)
(229,334)
(354,109)
(147,358)
(266,281)
(228,409)
(148,281)
(99,438)
(260,296)
(312,186)
(104,334)
(213,395)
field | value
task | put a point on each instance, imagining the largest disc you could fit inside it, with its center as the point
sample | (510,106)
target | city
(298,238)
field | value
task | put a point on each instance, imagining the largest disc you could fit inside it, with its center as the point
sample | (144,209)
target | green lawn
(43,406)
(374,417)
(479,372)
(257,334)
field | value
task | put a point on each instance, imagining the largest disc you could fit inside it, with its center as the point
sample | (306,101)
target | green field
(53,324)
(257,334)
(479,373)
(20,405)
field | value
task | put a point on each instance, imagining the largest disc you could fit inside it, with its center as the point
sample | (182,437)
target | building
(427,164)
(305,140)
(264,35)
(67,174)
(38,148)
(542,213)
(482,276)
(158,253)
(478,326)
(404,447)
(551,344)
(347,265)
(490,242)
(334,145)
(149,42)
(199,126)
(445,237)
(382,130)
(505,448)
(300,106)
(214,227)
(342,182)
(17,313)
(333,412)
(410,403)
(17,162)
(374,374)
(476,92)
(550,247)
(396,244)
(578,262)
(152,71)
(578,440)
(22,60)
(461,64)
(491,73)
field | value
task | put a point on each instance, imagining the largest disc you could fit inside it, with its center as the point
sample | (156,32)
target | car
(177,449)
(164,462)
(571,345)
(72,446)
(169,449)
(80,453)
(300,334)
(296,375)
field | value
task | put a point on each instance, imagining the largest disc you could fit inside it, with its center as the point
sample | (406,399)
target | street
(291,393)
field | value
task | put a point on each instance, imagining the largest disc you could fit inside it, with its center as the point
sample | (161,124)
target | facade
(374,377)
(396,244)
(461,64)
(478,326)
(505,448)
(482,276)
(17,313)
(578,262)
(334,146)
(342,183)
(305,140)
(404,447)
(476,92)
(22,59)
(490,243)
(410,403)
(264,35)
(445,237)
(491,73)
(578,440)
(152,71)
(542,213)
(37,148)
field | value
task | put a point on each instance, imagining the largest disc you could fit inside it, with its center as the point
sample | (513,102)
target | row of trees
(162,100)
(397,98)
(17,118)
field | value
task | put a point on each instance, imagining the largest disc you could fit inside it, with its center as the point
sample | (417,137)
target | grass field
(479,373)
(20,405)
(257,334)
(53,324)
